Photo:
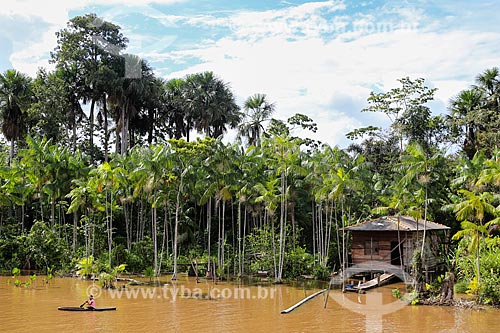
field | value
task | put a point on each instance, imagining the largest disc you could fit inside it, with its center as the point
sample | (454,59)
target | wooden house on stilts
(394,239)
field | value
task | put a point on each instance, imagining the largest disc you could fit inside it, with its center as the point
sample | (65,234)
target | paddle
(83,304)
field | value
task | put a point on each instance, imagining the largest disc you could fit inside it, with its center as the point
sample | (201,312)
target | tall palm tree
(69,77)
(464,108)
(474,208)
(418,168)
(268,193)
(258,109)
(210,104)
(489,81)
(15,96)
(283,160)
(469,172)
(105,180)
(174,109)
(157,176)
(126,100)
(186,159)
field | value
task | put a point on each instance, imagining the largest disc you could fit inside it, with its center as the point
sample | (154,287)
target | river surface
(188,306)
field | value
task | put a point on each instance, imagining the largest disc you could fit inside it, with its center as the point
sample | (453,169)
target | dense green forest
(98,169)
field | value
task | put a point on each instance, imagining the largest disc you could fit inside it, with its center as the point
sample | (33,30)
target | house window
(371,247)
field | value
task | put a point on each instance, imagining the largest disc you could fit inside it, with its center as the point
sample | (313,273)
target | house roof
(390,223)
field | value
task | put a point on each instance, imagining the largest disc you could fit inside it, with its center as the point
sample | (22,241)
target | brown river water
(187,306)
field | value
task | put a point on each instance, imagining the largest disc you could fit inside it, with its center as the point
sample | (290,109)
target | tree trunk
(313,215)
(106,132)
(176,229)
(118,131)
(22,218)
(219,232)
(239,238)
(223,235)
(127,227)
(91,130)
(164,243)
(243,238)
(151,126)
(75,225)
(11,152)
(124,129)
(478,257)
(52,211)
(274,246)
(281,254)
(447,289)
(74,107)
(110,230)
(209,226)
(425,227)
(155,240)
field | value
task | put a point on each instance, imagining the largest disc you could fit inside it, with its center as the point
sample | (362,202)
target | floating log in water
(131,281)
(290,309)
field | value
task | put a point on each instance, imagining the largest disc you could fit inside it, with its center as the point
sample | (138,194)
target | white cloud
(305,20)
(315,58)
(28,55)
(28,58)
(305,75)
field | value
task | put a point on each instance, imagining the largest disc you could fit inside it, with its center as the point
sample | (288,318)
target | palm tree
(126,100)
(105,180)
(267,192)
(69,76)
(15,96)
(417,167)
(210,104)
(318,166)
(258,110)
(464,108)
(489,81)
(186,159)
(247,164)
(157,176)
(283,161)
(345,180)
(469,172)
(175,108)
(148,125)
(474,207)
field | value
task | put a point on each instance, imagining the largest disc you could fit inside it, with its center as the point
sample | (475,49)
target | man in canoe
(90,303)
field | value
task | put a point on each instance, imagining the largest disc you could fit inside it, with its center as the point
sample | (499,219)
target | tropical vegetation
(269,202)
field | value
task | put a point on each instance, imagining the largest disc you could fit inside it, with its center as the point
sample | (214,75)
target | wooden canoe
(76,308)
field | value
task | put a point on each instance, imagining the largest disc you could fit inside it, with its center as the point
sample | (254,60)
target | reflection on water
(187,306)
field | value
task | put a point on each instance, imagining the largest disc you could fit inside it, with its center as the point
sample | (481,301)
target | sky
(318,58)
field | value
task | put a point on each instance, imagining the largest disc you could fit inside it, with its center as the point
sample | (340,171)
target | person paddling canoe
(90,303)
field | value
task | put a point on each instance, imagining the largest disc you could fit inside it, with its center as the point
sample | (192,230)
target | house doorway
(395,258)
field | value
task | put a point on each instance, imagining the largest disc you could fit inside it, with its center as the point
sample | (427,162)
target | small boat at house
(350,288)
(353,289)
(77,308)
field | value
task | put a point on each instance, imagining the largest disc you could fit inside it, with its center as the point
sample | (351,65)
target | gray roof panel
(390,223)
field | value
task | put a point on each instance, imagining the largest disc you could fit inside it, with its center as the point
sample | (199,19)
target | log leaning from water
(290,309)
